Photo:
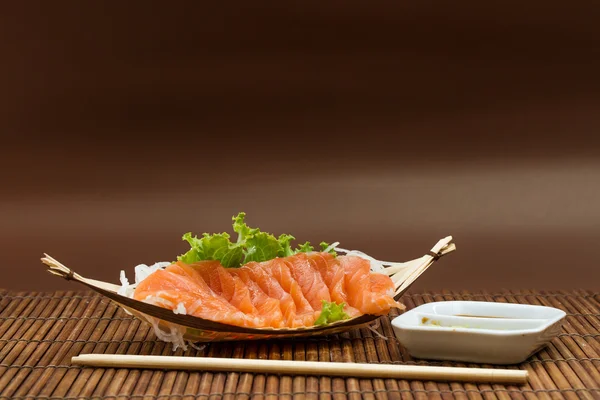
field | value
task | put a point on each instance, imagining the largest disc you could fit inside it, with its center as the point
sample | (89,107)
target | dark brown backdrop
(383,126)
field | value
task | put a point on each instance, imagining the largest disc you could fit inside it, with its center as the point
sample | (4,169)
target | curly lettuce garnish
(251,245)
(326,247)
(331,312)
(212,247)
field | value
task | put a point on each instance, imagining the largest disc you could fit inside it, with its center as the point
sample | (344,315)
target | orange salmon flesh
(280,293)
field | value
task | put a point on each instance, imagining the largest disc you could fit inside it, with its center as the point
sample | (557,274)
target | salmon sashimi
(278,269)
(358,285)
(273,289)
(309,280)
(231,287)
(199,300)
(333,276)
(267,307)
(286,292)
(380,283)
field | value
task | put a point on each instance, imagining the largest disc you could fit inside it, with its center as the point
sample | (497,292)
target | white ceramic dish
(477,331)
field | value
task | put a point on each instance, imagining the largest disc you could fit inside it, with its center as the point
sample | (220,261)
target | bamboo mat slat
(40,332)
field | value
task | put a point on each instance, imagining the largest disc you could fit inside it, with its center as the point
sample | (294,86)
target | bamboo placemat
(40,332)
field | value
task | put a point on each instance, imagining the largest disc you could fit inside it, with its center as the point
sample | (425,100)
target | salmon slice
(333,276)
(279,270)
(178,285)
(273,289)
(359,283)
(309,279)
(380,283)
(283,292)
(231,287)
(267,307)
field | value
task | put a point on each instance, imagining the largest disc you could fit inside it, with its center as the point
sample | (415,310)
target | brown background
(384,126)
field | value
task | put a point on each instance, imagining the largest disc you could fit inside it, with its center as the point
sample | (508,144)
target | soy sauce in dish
(481,316)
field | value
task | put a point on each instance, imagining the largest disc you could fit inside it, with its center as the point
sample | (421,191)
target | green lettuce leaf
(244,231)
(262,247)
(190,257)
(305,248)
(212,247)
(286,246)
(325,245)
(285,241)
(251,245)
(331,312)
(258,246)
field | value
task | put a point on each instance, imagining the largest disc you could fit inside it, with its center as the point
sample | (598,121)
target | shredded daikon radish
(373,328)
(193,346)
(142,271)
(359,253)
(175,334)
(376,332)
(125,289)
(180,309)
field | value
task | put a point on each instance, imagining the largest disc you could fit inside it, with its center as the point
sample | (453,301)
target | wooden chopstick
(415,372)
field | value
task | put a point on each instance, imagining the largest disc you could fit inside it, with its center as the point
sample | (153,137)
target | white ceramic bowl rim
(554,315)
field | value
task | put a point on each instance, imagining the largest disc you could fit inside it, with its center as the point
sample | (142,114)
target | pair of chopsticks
(412,372)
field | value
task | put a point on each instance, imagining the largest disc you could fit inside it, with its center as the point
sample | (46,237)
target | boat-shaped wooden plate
(169,326)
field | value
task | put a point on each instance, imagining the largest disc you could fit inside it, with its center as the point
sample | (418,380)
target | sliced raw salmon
(273,289)
(199,300)
(279,270)
(283,292)
(358,285)
(380,283)
(333,276)
(267,307)
(223,283)
(309,279)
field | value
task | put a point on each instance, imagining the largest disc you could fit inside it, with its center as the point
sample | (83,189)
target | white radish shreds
(193,346)
(180,309)
(368,257)
(175,334)
(126,288)
(373,328)
(142,271)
